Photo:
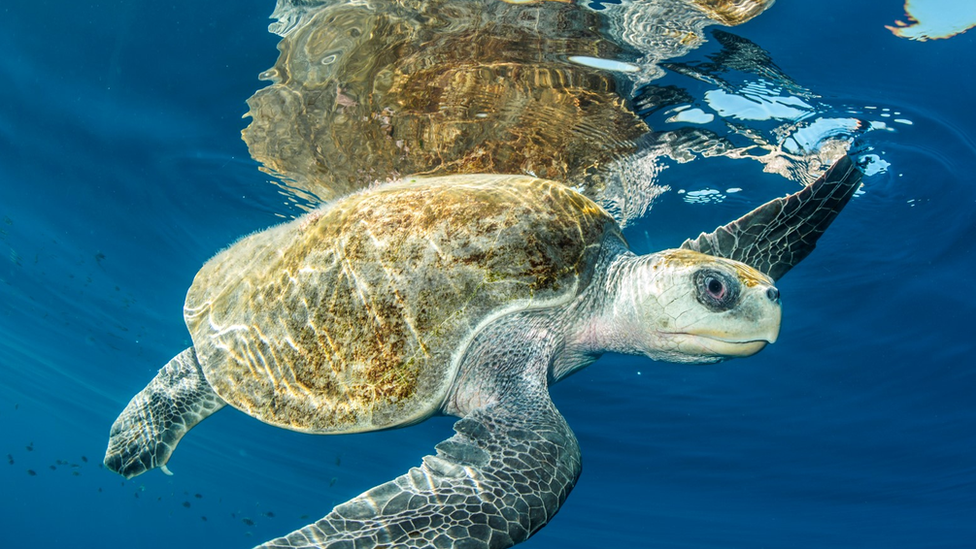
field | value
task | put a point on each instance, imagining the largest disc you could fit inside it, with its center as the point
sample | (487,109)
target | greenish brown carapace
(351,318)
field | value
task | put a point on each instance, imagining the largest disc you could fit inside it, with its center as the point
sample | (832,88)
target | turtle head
(685,306)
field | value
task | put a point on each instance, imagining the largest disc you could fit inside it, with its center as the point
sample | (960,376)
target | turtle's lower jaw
(711,346)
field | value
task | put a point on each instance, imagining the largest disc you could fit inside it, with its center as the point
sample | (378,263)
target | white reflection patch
(934,19)
(758,103)
(605,64)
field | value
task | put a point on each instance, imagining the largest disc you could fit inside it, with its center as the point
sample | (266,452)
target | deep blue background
(122,171)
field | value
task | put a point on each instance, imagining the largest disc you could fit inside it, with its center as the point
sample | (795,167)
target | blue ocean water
(122,171)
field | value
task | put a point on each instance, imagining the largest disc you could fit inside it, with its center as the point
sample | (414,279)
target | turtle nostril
(772,293)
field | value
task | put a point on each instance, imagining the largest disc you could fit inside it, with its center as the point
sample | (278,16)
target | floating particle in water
(333,481)
(30,447)
(338,461)
(186,504)
(136,494)
(303,517)
(75,465)
(84,459)
(99,489)
(247,521)
(53,467)
(269,514)
(76,473)
(10,459)
(203,518)
(32,472)
(198,496)
(99,257)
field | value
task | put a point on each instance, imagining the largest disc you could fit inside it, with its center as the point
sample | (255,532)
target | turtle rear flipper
(152,424)
(496,482)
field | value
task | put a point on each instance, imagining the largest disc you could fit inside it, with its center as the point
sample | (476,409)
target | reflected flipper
(779,234)
(152,424)
(500,478)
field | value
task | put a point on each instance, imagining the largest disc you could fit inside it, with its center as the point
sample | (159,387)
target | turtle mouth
(711,345)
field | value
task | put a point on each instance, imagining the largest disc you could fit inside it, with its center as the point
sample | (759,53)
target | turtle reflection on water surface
(367,92)
(373,91)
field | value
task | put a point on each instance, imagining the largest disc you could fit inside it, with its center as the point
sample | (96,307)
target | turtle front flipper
(152,424)
(496,482)
(779,234)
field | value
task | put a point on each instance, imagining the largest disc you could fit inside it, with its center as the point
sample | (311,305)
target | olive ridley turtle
(464,295)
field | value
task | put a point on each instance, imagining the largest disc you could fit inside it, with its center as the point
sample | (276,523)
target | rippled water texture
(123,172)
(371,92)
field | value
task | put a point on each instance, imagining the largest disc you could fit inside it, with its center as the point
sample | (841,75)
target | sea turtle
(464,295)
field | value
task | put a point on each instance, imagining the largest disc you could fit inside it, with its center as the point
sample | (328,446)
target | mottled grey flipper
(779,234)
(148,430)
(493,484)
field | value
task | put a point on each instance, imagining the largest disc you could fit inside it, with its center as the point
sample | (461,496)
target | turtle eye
(716,290)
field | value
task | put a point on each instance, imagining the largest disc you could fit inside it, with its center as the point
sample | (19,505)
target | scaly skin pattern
(349,319)
(148,430)
(779,234)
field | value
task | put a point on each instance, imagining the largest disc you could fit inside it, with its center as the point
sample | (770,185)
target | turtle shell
(355,316)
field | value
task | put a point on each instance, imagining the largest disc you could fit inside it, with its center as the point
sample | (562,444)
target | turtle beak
(772,328)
